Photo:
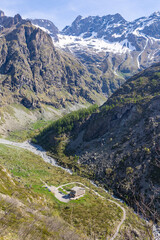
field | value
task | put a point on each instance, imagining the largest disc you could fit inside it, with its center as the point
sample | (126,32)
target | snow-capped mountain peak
(46,26)
(134,44)
(91,24)
(155,14)
(114,28)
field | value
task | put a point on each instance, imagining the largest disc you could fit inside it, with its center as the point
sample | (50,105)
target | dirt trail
(60,197)
(38,150)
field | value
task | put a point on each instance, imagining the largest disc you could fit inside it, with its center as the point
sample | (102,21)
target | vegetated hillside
(55,137)
(26,213)
(30,211)
(120,143)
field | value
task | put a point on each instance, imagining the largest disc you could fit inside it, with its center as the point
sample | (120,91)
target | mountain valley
(80,107)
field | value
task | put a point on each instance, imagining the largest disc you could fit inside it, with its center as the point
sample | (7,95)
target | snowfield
(92,43)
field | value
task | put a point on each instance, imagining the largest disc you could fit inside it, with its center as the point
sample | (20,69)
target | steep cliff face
(32,71)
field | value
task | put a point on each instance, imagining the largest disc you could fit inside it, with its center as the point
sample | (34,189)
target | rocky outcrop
(8,22)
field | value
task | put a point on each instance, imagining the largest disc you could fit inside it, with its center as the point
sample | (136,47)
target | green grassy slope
(30,210)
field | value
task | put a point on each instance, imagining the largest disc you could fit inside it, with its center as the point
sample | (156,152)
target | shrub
(129,170)
(108,171)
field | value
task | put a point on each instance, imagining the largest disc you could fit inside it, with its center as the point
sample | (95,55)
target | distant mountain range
(114,28)
(112,48)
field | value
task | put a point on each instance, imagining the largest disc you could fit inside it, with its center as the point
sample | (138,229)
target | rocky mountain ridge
(47,26)
(32,71)
(9,22)
(38,80)
(112,48)
(114,28)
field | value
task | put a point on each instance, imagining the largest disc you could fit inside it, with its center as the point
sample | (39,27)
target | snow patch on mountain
(42,28)
(94,44)
(139,55)
(115,35)
(126,43)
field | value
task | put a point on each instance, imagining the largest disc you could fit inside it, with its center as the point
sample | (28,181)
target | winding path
(122,208)
(38,150)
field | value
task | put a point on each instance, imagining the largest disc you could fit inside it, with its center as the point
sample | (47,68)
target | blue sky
(63,12)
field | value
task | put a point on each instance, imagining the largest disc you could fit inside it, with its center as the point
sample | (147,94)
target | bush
(129,170)
(108,171)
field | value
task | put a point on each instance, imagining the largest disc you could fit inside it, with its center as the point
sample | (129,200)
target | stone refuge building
(77,192)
